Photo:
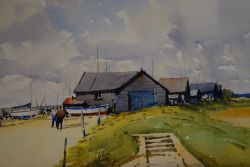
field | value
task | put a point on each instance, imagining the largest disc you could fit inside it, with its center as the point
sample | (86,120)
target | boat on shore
(23,112)
(88,111)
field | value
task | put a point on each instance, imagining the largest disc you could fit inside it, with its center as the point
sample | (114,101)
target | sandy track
(36,144)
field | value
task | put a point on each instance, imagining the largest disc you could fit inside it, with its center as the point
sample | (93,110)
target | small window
(98,96)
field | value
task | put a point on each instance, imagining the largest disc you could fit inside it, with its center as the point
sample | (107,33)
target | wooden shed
(179,90)
(129,91)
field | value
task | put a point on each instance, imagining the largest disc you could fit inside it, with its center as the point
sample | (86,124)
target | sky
(46,45)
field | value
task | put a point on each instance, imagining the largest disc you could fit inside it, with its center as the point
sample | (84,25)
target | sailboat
(24,111)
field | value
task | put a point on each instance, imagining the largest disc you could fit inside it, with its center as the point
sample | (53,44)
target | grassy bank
(213,142)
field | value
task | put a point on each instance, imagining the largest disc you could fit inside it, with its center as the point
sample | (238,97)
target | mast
(57,98)
(45,98)
(97,60)
(70,88)
(75,77)
(57,95)
(152,67)
(106,66)
(30,91)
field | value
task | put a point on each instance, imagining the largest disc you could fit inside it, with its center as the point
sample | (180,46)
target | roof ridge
(110,72)
(176,78)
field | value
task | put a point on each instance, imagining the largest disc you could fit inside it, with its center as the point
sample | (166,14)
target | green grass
(213,142)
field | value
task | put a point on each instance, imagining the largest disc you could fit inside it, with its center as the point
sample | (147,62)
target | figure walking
(53,116)
(60,114)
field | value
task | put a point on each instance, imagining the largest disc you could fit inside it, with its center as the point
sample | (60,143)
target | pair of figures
(57,116)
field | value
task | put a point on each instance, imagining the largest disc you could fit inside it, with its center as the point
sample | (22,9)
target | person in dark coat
(60,114)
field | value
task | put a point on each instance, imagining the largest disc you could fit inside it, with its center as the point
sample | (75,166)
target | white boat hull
(25,114)
(94,110)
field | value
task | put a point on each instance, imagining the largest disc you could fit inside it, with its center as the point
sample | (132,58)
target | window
(98,96)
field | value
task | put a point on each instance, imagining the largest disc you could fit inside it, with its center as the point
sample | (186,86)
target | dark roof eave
(95,91)
(171,93)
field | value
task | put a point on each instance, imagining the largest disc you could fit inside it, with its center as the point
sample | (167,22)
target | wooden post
(99,118)
(83,125)
(64,153)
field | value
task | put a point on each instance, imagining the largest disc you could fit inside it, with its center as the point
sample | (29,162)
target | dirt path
(37,144)
(162,149)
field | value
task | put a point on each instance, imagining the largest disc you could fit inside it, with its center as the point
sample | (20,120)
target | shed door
(141,99)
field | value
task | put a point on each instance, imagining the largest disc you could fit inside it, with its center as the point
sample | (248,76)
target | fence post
(64,153)
(83,124)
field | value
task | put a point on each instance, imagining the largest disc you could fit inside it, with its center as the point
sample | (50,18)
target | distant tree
(227,94)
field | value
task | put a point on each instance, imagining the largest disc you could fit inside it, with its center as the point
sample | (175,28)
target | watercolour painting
(124,83)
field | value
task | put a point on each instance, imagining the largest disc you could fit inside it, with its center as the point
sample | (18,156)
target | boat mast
(45,98)
(97,61)
(106,66)
(30,91)
(70,88)
(57,96)
(152,67)
(75,77)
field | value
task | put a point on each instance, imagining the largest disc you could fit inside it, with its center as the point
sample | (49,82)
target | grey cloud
(9,67)
(32,29)
(211,35)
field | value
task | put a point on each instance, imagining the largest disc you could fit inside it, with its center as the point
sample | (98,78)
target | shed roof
(175,85)
(203,87)
(103,81)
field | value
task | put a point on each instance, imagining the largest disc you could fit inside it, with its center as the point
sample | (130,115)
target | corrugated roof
(174,84)
(203,87)
(103,81)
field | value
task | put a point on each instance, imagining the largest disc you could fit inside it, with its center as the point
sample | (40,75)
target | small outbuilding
(179,90)
(207,91)
(129,91)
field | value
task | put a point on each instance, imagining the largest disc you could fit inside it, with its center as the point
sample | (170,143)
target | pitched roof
(103,81)
(203,87)
(175,85)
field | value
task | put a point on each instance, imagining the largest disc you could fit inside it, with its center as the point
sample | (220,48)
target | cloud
(91,21)
(107,21)
(228,68)
(59,49)
(179,54)
(14,84)
(18,11)
(85,34)
(54,40)
(247,35)
(196,60)
(122,14)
